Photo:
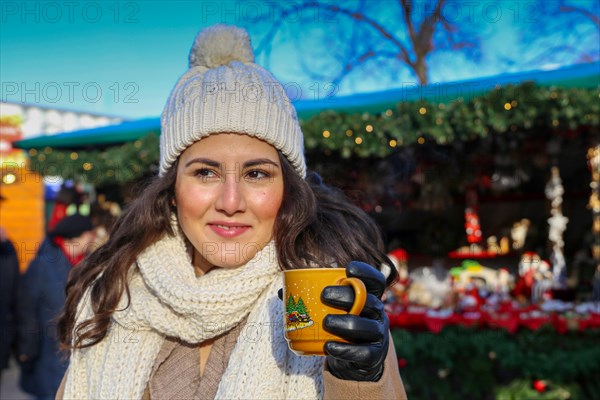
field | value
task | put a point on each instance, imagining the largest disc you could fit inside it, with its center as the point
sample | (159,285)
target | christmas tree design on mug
(297,316)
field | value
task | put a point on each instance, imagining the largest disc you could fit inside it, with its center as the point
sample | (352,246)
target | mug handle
(360,293)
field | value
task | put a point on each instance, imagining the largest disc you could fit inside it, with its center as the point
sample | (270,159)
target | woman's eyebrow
(202,160)
(260,161)
(247,164)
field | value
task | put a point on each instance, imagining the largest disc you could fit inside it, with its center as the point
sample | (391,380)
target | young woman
(182,301)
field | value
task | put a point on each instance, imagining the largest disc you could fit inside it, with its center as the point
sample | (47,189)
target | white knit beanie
(225,92)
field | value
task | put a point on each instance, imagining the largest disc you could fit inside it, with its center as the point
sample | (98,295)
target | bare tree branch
(266,43)
(361,17)
(368,37)
(588,14)
(406,13)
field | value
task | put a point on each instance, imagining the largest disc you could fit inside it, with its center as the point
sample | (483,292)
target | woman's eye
(204,173)
(256,174)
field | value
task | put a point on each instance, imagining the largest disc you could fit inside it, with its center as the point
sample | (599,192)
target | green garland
(114,165)
(524,107)
(467,363)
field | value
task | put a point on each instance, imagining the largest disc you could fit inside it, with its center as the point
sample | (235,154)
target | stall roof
(577,76)
(102,136)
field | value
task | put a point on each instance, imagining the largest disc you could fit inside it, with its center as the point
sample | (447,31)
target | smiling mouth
(226,227)
(229,230)
(229,226)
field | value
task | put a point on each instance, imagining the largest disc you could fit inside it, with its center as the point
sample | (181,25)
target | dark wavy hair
(315,226)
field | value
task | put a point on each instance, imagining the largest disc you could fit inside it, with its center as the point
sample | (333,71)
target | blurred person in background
(9,267)
(41,299)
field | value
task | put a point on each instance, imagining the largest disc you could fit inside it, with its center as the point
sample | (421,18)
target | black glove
(361,359)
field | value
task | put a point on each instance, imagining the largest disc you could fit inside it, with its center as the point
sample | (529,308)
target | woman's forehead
(230,146)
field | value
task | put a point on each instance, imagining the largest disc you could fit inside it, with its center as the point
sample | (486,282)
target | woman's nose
(231,197)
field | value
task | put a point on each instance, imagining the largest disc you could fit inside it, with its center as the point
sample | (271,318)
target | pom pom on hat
(220,45)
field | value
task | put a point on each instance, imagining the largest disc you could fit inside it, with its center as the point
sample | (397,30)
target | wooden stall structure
(22,210)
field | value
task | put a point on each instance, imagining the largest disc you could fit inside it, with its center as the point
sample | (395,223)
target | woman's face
(228,191)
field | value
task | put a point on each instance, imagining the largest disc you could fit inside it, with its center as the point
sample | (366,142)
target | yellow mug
(304,311)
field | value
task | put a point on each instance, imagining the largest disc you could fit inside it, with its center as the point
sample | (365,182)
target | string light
(48,150)
(507,106)
(9,179)
(422,111)
(103,162)
(349,132)
(369,128)
(326,134)
(358,140)
(388,113)
(33,152)
(421,140)
(393,143)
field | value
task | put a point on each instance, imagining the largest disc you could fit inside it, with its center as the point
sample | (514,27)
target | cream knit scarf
(167,299)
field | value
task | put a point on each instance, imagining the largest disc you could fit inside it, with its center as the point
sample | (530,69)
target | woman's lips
(228,230)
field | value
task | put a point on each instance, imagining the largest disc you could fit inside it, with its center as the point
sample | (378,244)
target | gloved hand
(362,359)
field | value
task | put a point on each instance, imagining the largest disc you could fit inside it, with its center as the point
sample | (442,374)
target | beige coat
(390,385)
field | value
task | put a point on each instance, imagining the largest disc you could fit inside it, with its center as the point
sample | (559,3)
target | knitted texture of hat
(225,92)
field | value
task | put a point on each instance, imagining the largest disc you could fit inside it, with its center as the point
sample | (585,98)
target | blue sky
(122,58)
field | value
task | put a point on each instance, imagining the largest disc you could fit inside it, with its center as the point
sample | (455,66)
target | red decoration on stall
(472,226)
(540,386)
(507,321)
